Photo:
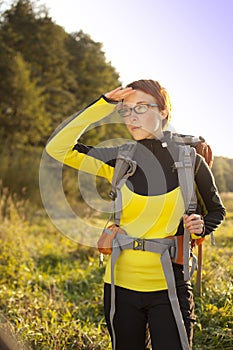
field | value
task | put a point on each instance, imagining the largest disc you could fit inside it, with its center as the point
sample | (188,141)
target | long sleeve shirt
(152,203)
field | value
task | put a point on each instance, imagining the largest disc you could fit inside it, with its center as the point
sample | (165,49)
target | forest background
(46,75)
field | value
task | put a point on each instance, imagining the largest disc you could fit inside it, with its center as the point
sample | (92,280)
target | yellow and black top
(152,201)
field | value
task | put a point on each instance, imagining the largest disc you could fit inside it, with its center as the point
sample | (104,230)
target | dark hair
(153,88)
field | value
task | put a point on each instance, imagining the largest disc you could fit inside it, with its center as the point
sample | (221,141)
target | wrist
(198,235)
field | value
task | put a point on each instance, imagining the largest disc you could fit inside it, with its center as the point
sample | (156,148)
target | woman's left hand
(194,223)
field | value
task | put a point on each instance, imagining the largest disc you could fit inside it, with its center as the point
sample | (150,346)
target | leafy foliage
(24,120)
(223,169)
(46,74)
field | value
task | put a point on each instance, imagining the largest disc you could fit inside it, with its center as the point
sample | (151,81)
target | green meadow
(51,287)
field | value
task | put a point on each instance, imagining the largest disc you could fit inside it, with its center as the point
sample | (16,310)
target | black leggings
(136,312)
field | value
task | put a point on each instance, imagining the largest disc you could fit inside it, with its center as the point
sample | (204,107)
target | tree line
(46,74)
(223,170)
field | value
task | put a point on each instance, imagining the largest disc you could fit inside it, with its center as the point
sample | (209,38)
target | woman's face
(147,125)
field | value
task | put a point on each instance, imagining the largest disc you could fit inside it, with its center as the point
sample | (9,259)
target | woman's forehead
(139,97)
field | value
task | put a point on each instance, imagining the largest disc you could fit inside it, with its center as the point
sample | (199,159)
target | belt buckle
(139,244)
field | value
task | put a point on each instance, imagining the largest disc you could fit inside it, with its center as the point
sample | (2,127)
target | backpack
(125,167)
(203,149)
(113,239)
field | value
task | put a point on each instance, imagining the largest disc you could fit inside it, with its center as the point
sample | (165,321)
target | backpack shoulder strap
(185,169)
(124,168)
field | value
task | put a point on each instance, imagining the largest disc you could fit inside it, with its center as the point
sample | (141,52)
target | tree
(42,44)
(222,170)
(94,77)
(87,61)
(23,117)
(46,75)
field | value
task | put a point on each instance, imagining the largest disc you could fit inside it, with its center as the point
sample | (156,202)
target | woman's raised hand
(119,93)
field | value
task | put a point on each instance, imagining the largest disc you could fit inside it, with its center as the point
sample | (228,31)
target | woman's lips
(134,128)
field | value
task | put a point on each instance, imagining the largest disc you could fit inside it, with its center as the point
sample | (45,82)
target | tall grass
(51,287)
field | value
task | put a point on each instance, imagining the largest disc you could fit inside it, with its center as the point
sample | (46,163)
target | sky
(187,45)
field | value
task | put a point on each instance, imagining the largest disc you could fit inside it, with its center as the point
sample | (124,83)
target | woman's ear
(163,114)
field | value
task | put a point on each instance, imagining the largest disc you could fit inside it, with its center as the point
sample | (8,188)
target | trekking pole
(199,271)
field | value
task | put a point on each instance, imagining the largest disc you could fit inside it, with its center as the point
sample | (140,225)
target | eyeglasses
(125,111)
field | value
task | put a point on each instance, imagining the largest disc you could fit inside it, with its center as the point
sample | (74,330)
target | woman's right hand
(119,93)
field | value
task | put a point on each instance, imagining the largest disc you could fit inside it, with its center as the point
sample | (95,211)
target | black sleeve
(107,155)
(208,193)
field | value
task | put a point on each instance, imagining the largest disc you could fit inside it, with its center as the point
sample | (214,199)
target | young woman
(153,208)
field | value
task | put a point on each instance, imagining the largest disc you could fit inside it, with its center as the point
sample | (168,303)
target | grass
(214,328)
(51,287)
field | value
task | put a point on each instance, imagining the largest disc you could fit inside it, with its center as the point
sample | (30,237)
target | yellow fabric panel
(93,166)
(137,270)
(152,216)
(147,217)
(61,145)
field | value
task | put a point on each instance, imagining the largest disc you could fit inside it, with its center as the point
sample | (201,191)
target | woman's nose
(133,116)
